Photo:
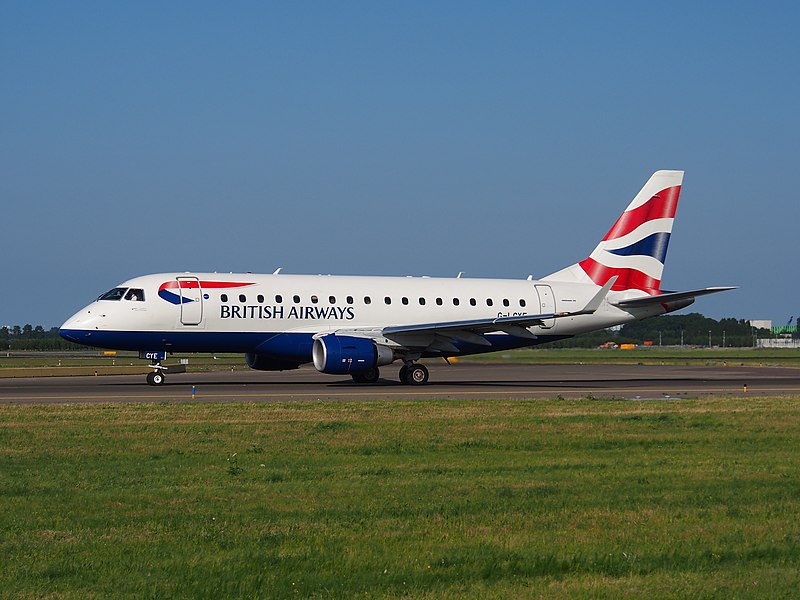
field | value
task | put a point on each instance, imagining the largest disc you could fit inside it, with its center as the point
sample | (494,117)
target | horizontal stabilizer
(669,297)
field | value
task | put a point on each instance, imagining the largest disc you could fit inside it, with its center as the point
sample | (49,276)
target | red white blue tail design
(634,249)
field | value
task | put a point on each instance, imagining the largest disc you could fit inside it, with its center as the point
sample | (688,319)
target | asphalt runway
(471,380)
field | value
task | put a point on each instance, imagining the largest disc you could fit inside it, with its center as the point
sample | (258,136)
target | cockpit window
(115,294)
(135,294)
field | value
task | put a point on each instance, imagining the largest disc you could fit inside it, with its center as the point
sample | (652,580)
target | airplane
(354,325)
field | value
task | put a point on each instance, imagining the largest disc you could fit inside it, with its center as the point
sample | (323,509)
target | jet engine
(339,354)
(265,362)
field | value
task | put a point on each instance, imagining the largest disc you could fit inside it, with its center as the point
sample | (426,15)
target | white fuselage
(280,314)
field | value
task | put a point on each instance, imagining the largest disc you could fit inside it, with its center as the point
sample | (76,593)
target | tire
(417,375)
(368,376)
(403,373)
(155,378)
(371,375)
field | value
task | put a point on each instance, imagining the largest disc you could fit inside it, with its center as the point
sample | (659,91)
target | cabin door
(191,300)
(547,304)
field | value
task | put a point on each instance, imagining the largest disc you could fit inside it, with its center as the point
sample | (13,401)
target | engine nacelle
(264,362)
(341,354)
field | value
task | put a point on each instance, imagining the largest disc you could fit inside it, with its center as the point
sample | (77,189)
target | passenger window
(439,301)
(456,301)
(332,299)
(349,299)
(223,297)
(473,302)
(242,298)
(422,301)
(135,295)
(387,300)
(314,299)
(115,294)
(260,299)
(489,302)
(296,299)
(405,300)
(522,302)
(367,300)
(278,299)
(506,302)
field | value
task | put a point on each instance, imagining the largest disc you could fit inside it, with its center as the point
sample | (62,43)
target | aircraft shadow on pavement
(389,383)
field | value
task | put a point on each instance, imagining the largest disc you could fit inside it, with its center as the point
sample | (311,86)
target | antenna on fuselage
(277,271)
(460,273)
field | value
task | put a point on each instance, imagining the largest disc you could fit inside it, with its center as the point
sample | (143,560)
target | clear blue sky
(496,138)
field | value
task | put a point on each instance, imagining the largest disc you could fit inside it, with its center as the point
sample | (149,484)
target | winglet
(598,298)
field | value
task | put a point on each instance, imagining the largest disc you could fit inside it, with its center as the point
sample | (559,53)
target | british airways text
(281,312)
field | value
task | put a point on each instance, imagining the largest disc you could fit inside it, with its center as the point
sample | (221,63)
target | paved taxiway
(457,381)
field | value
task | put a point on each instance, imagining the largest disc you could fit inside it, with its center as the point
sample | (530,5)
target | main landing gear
(414,374)
(369,376)
(410,374)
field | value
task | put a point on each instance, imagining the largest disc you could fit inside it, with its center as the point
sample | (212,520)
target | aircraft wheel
(417,375)
(155,378)
(403,373)
(368,376)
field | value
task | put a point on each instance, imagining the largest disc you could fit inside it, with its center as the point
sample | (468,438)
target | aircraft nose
(67,333)
(70,329)
(78,326)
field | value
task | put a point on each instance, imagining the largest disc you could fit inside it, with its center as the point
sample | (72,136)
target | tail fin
(634,249)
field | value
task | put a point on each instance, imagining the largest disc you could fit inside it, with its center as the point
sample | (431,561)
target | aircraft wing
(669,297)
(440,336)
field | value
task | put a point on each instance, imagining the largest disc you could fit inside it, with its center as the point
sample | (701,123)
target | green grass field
(419,499)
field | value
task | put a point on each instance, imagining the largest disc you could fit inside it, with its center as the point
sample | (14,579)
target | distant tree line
(673,330)
(29,337)
(670,330)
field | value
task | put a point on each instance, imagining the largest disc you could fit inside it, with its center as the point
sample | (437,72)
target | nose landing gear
(156,377)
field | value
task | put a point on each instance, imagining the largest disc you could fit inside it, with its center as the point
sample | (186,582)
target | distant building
(761,323)
(779,343)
